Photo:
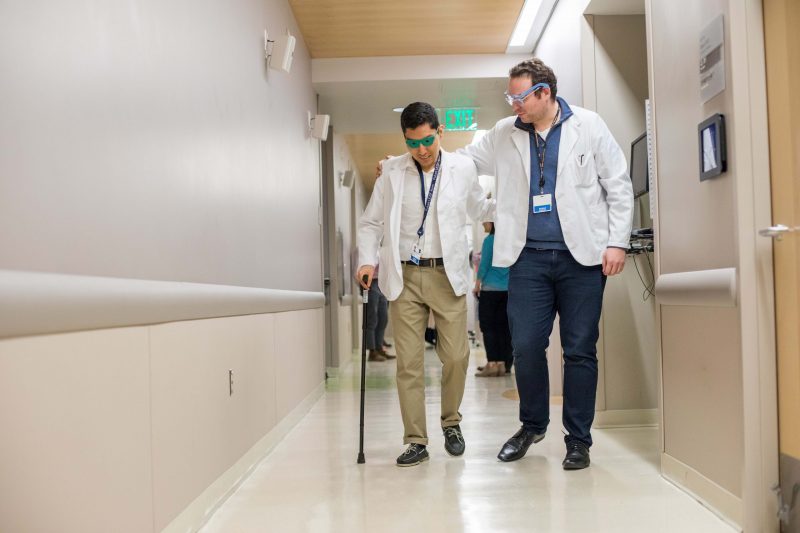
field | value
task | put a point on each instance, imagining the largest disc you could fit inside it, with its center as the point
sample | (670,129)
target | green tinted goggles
(427,141)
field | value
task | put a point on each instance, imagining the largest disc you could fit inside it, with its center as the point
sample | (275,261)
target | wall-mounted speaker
(319,126)
(282,53)
(348,177)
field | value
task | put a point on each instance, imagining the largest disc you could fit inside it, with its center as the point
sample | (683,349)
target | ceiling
(364,28)
(419,30)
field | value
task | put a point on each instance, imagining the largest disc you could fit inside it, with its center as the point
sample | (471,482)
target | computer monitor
(639,166)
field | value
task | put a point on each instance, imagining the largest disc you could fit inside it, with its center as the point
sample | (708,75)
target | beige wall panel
(703,391)
(75,446)
(696,219)
(629,340)
(299,359)
(199,429)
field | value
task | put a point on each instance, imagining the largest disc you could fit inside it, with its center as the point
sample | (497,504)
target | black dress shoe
(414,455)
(453,441)
(577,456)
(516,447)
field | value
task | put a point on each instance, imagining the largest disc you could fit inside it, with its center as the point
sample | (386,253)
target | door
(329,255)
(782,44)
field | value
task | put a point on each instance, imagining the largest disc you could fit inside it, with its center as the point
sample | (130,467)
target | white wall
(559,47)
(148,140)
(614,63)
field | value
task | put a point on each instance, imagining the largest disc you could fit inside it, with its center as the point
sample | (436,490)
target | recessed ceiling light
(525,22)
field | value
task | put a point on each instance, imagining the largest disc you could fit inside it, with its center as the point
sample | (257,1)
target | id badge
(416,253)
(542,203)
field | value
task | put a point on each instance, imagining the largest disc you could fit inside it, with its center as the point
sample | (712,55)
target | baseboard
(790,476)
(715,498)
(621,418)
(198,513)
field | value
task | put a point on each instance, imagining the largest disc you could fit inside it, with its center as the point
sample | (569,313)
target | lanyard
(426,203)
(540,156)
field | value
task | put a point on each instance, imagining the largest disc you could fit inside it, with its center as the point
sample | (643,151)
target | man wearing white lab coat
(563,223)
(415,223)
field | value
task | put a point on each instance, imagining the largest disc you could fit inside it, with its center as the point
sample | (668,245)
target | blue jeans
(541,284)
(377,317)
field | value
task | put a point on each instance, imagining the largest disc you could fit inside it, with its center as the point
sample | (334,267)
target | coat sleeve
(371,225)
(479,208)
(613,173)
(482,153)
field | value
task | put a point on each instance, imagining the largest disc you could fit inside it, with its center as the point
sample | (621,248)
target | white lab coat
(459,195)
(593,190)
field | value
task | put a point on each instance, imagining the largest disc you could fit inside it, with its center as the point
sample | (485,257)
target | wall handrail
(708,288)
(37,303)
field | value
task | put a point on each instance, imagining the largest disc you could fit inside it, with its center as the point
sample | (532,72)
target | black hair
(416,114)
(491,231)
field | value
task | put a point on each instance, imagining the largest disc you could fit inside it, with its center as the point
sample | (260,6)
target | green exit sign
(460,119)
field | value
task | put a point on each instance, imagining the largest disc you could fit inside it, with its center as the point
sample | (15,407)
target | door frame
(756,284)
(329,255)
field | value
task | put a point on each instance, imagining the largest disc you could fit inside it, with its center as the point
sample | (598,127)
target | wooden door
(782,20)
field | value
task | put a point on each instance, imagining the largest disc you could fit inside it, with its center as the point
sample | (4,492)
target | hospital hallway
(310,481)
(192,193)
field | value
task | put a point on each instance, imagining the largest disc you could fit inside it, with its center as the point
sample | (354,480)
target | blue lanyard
(427,203)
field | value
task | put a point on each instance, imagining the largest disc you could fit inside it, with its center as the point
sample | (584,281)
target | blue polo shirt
(544,229)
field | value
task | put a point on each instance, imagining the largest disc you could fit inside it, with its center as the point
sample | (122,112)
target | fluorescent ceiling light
(525,22)
(398,109)
(532,21)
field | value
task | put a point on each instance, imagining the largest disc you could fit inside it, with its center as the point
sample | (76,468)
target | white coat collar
(446,171)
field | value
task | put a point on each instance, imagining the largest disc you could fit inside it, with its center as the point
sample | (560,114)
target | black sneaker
(577,456)
(453,440)
(414,455)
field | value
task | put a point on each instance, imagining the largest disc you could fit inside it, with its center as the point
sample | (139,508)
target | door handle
(777,231)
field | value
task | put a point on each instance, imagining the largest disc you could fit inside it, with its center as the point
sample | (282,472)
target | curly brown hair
(535,70)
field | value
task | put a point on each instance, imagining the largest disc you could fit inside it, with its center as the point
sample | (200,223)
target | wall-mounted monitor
(640,175)
(712,146)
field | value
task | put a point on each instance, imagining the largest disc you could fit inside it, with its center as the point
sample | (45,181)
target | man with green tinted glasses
(415,226)
(426,141)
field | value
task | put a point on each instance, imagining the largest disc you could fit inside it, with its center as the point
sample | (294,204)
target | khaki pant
(427,289)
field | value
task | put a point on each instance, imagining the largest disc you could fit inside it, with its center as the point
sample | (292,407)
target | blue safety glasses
(426,141)
(520,98)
